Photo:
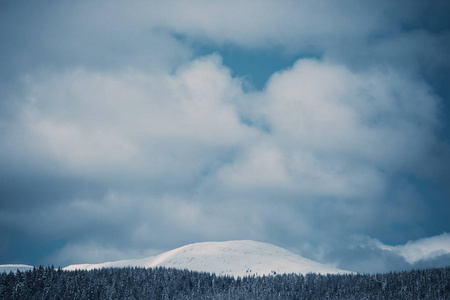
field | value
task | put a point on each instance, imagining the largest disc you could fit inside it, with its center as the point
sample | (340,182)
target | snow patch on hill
(14,268)
(233,258)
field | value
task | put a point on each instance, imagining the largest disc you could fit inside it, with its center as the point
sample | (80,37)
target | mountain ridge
(233,258)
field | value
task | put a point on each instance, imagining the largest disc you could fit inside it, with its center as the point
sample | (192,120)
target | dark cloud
(362,255)
(437,262)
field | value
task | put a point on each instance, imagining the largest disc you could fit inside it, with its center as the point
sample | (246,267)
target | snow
(233,258)
(14,268)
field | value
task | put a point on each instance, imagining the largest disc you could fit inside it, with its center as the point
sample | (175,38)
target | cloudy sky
(128,128)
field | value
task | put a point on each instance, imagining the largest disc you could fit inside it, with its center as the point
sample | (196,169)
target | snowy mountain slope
(14,268)
(234,258)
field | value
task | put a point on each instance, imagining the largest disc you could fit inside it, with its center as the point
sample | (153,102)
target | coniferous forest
(161,283)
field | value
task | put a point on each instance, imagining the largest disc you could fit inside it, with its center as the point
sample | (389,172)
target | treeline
(161,283)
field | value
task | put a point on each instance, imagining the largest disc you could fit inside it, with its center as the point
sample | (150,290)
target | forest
(162,283)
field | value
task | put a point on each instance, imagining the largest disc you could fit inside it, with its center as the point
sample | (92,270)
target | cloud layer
(118,138)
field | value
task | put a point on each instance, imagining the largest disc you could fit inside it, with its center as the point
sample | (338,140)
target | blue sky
(131,128)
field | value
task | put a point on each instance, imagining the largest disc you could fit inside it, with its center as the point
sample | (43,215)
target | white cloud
(144,28)
(136,124)
(261,166)
(293,24)
(334,132)
(422,249)
(326,107)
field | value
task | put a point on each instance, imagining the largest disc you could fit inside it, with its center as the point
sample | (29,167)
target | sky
(129,128)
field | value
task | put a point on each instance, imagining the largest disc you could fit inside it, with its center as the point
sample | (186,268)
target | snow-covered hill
(14,268)
(235,258)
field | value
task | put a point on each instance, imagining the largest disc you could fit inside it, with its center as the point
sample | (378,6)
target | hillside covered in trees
(161,283)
